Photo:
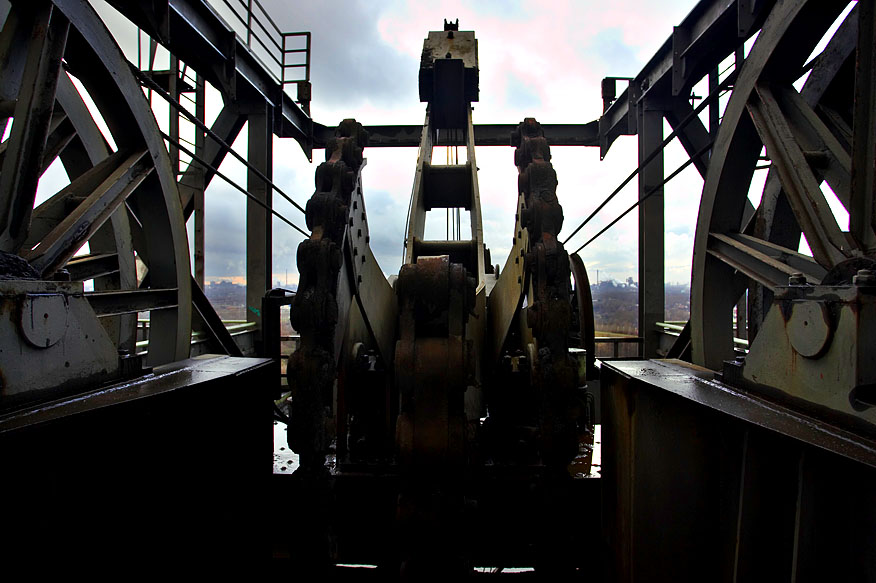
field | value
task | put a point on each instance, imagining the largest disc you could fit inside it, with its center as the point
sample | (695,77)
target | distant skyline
(538,59)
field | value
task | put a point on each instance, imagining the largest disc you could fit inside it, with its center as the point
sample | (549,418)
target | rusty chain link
(315,311)
(554,373)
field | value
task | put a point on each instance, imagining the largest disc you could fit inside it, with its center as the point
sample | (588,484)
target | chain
(315,311)
(554,373)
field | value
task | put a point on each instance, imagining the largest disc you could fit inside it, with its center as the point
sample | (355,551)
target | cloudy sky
(540,59)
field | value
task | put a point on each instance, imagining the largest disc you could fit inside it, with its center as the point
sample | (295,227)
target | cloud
(609,46)
(536,59)
(351,64)
(521,94)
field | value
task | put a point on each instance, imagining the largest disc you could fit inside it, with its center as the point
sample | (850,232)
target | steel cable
(690,117)
(249,195)
(194,119)
(647,195)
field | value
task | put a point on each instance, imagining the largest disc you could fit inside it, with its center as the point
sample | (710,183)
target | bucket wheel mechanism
(810,140)
(122,200)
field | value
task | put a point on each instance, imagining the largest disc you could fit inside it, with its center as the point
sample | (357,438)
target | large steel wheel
(124,203)
(808,138)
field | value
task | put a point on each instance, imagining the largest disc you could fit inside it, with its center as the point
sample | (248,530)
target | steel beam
(862,210)
(33,113)
(64,240)
(693,137)
(86,149)
(712,30)
(194,32)
(114,303)
(651,235)
(173,87)
(14,43)
(227,126)
(765,263)
(394,136)
(211,323)
(258,221)
(829,245)
(200,180)
(86,267)
(84,181)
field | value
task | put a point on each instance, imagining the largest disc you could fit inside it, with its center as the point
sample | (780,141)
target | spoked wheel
(810,140)
(123,202)
(586,321)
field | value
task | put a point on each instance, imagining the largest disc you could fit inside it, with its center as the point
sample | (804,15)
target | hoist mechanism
(454,394)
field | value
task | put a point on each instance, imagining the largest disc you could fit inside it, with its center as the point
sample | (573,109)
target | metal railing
(235,328)
(265,39)
(616,341)
(675,328)
(273,339)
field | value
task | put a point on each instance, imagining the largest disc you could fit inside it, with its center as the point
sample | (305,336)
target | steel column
(651,259)
(199,179)
(32,113)
(862,212)
(260,155)
(227,126)
(173,127)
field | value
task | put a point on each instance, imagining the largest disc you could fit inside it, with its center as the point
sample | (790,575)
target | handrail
(675,328)
(246,12)
(616,341)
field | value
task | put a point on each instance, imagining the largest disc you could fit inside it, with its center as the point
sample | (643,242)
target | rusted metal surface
(434,362)
(319,311)
(50,323)
(549,313)
(448,75)
(447,347)
(814,351)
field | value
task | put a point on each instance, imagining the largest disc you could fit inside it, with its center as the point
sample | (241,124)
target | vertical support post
(714,108)
(173,89)
(651,256)
(307,60)
(249,23)
(32,113)
(283,66)
(741,330)
(258,220)
(862,210)
(742,316)
(200,151)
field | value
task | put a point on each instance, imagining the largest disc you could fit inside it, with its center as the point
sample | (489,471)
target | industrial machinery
(768,435)
(443,418)
(458,371)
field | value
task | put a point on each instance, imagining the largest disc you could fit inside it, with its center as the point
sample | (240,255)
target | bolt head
(865,277)
(797,279)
